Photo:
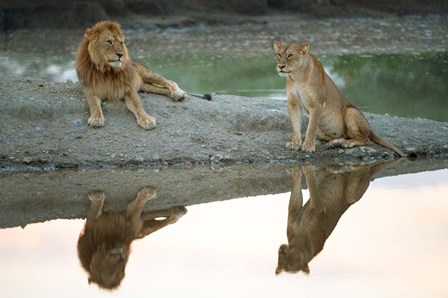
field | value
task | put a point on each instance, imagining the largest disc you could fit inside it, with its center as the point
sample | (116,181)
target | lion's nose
(119,55)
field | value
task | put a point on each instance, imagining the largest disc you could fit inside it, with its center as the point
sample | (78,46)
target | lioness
(104,244)
(331,194)
(331,117)
(106,72)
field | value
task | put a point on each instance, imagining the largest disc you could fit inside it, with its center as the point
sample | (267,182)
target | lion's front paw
(97,196)
(148,193)
(96,122)
(147,122)
(294,144)
(308,146)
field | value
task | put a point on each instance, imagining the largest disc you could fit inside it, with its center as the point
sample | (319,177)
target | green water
(403,85)
(397,84)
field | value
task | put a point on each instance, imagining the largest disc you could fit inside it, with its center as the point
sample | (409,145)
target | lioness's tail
(376,139)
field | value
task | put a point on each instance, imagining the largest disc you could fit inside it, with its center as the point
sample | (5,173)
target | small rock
(27,160)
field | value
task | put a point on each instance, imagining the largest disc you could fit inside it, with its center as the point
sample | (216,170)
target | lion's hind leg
(155,220)
(155,83)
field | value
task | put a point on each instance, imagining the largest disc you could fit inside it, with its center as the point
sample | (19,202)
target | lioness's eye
(290,56)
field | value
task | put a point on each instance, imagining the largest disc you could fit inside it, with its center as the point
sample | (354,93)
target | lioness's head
(106,45)
(107,266)
(291,260)
(290,57)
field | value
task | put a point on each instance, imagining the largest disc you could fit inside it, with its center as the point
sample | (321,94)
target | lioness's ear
(304,48)
(278,270)
(277,46)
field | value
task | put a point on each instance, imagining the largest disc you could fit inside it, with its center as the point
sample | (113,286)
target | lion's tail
(376,139)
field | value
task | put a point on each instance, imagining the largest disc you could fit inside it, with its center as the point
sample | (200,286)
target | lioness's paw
(308,147)
(293,145)
(147,122)
(96,122)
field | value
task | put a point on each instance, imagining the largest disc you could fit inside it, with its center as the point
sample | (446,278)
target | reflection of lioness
(309,226)
(104,243)
(106,72)
(331,117)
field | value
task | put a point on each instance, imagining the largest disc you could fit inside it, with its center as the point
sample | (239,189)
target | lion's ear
(306,269)
(90,34)
(277,46)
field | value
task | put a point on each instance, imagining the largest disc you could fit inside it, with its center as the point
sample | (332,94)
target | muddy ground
(200,151)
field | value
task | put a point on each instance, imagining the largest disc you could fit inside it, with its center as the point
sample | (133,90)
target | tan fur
(104,244)
(106,72)
(331,117)
(309,226)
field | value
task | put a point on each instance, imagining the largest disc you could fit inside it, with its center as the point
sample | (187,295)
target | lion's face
(107,268)
(290,57)
(291,260)
(106,45)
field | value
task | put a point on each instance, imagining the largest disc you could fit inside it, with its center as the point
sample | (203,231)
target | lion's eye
(109,42)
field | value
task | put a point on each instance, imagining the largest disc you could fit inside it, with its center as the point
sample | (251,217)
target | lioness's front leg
(134,105)
(309,145)
(96,118)
(295,116)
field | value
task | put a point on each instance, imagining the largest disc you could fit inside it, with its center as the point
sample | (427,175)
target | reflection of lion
(106,72)
(310,89)
(104,243)
(309,226)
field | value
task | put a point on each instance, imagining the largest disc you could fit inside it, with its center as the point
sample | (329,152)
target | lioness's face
(108,48)
(290,260)
(290,57)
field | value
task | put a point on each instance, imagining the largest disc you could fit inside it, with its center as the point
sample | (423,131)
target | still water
(406,85)
(342,237)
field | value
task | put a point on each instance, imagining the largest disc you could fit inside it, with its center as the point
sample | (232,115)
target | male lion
(331,117)
(104,244)
(332,192)
(106,72)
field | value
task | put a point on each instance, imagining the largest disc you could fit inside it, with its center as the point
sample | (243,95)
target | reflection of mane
(111,231)
(309,226)
(104,244)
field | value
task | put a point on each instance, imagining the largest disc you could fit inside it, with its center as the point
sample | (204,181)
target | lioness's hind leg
(357,128)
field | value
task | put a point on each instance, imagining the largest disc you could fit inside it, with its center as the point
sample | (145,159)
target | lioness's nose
(281,66)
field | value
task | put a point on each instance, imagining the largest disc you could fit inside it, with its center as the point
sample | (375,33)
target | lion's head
(290,57)
(107,267)
(103,46)
(291,260)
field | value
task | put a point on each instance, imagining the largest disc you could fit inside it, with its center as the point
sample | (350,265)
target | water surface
(389,243)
